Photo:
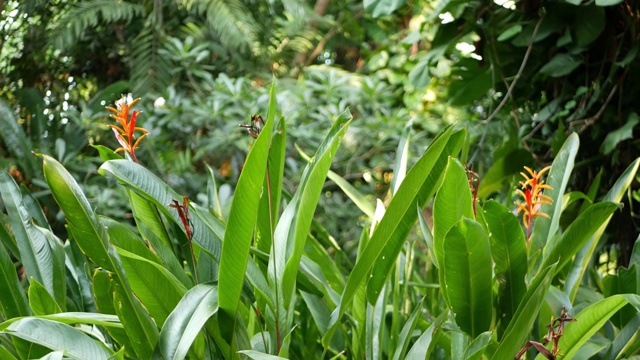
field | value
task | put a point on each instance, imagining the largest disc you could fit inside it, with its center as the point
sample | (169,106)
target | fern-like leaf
(149,70)
(230,19)
(15,139)
(87,14)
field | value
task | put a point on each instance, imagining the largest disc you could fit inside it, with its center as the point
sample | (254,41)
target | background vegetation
(525,83)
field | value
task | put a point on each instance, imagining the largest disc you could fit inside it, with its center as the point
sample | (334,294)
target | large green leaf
(589,23)
(405,333)
(15,138)
(422,348)
(13,301)
(623,133)
(417,187)
(103,290)
(544,229)
(152,229)
(578,233)
(186,320)
(452,203)
(591,319)
(515,336)
(40,301)
(467,276)
(269,209)
(206,233)
(153,284)
(625,281)
(72,318)
(91,236)
(379,8)
(41,257)
(242,220)
(583,258)
(58,336)
(293,228)
(560,65)
(509,252)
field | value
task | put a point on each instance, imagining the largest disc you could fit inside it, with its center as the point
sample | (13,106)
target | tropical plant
(187,281)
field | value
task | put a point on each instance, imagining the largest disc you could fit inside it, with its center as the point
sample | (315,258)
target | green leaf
(91,236)
(13,301)
(428,237)
(5,354)
(509,252)
(72,318)
(256,355)
(590,320)
(103,290)
(589,23)
(560,65)
(57,336)
(416,189)
(41,257)
(242,219)
(158,290)
(152,228)
(515,336)
(467,275)
(510,32)
(106,154)
(421,349)
(40,301)
(407,330)
(617,136)
(15,138)
(475,350)
(453,202)
(207,233)
(420,75)
(608,2)
(502,170)
(186,320)
(474,84)
(402,157)
(544,229)
(583,258)
(269,211)
(578,233)
(293,228)
(625,281)
(359,199)
(379,8)
(624,340)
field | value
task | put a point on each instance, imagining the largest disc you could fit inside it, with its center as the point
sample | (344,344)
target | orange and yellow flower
(126,134)
(532,188)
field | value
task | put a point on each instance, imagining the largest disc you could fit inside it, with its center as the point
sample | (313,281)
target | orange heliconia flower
(125,134)
(532,188)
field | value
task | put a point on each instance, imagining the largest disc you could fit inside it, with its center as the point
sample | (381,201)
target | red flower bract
(532,188)
(126,134)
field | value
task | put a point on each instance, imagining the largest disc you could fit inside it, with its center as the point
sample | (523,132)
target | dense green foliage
(371,215)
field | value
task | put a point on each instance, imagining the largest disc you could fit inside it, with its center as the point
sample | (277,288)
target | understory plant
(182,280)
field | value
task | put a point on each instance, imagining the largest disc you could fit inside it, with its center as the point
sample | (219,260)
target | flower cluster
(125,134)
(532,188)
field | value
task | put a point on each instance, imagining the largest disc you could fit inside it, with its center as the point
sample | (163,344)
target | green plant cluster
(265,281)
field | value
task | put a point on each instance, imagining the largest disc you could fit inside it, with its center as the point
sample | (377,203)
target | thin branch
(525,59)
(517,77)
